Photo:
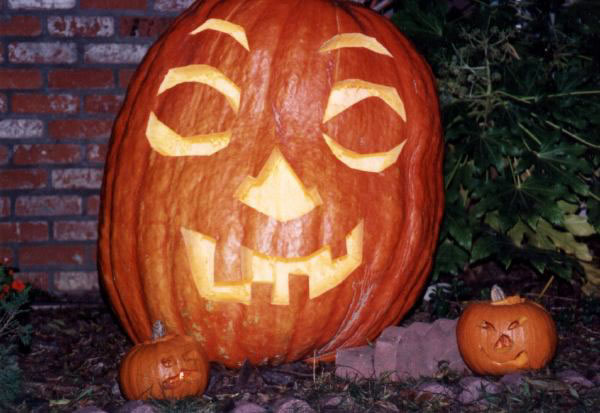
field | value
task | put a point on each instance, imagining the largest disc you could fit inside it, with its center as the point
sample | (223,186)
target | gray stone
(447,325)
(386,352)
(90,409)
(291,405)
(474,388)
(433,388)
(420,328)
(333,400)
(417,350)
(248,407)
(137,406)
(411,359)
(513,381)
(354,363)
(573,377)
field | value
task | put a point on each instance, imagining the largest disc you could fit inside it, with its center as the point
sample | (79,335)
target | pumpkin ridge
(113,157)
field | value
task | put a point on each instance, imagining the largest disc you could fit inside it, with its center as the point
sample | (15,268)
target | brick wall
(64,69)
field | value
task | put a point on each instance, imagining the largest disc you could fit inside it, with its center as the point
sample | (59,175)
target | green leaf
(547,236)
(578,225)
(484,247)
(460,231)
(449,258)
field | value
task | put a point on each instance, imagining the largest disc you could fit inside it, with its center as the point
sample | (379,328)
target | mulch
(76,349)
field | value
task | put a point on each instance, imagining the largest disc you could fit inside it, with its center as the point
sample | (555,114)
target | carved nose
(504,343)
(277,191)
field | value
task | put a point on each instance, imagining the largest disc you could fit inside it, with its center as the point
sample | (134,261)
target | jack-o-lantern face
(172,367)
(505,336)
(282,174)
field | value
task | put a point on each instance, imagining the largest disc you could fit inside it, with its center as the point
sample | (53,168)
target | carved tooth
(323,272)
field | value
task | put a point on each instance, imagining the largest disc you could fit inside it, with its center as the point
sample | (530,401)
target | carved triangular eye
(191,356)
(167,362)
(517,323)
(486,325)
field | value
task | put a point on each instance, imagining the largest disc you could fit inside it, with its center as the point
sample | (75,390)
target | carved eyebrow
(167,142)
(340,41)
(346,93)
(370,162)
(234,30)
(204,74)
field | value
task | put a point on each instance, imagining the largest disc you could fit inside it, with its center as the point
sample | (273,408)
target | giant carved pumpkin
(273,186)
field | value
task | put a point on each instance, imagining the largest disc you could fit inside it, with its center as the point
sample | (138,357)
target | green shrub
(14,296)
(519,87)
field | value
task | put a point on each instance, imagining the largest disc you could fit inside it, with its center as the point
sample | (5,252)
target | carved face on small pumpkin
(172,367)
(273,182)
(501,337)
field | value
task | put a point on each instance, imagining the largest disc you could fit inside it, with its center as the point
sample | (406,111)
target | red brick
(52,255)
(113,4)
(76,230)
(48,205)
(38,280)
(80,178)
(103,103)
(172,5)
(80,78)
(20,26)
(76,282)
(20,79)
(23,179)
(4,155)
(37,103)
(97,153)
(80,128)
(5,206)
(131,26)
(42,52)
(41,4)
(115,53)
(84,26)
(93,205)
(125,76)
(7,255)
(21,128)
(3,104)
(49,153)
(93,252)
(24,231)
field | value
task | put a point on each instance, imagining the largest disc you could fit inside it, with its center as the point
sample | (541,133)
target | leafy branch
(518,86)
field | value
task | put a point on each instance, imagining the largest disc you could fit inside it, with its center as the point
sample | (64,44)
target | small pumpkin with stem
(505,335)
(167,367)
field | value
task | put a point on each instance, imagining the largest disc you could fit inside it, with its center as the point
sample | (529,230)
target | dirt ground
(75,351)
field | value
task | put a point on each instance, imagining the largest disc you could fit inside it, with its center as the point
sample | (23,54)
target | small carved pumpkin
(168,367)
(505,335)
(273,186)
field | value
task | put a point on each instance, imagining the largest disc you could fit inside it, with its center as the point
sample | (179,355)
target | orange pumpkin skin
(502,337)
(171,367)
(149,200)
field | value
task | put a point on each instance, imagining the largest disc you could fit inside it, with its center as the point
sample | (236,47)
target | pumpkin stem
(158,330)
(497,293)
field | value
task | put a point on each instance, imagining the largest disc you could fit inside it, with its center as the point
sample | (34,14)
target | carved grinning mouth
(521,360)
(323,272)
(175,381)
